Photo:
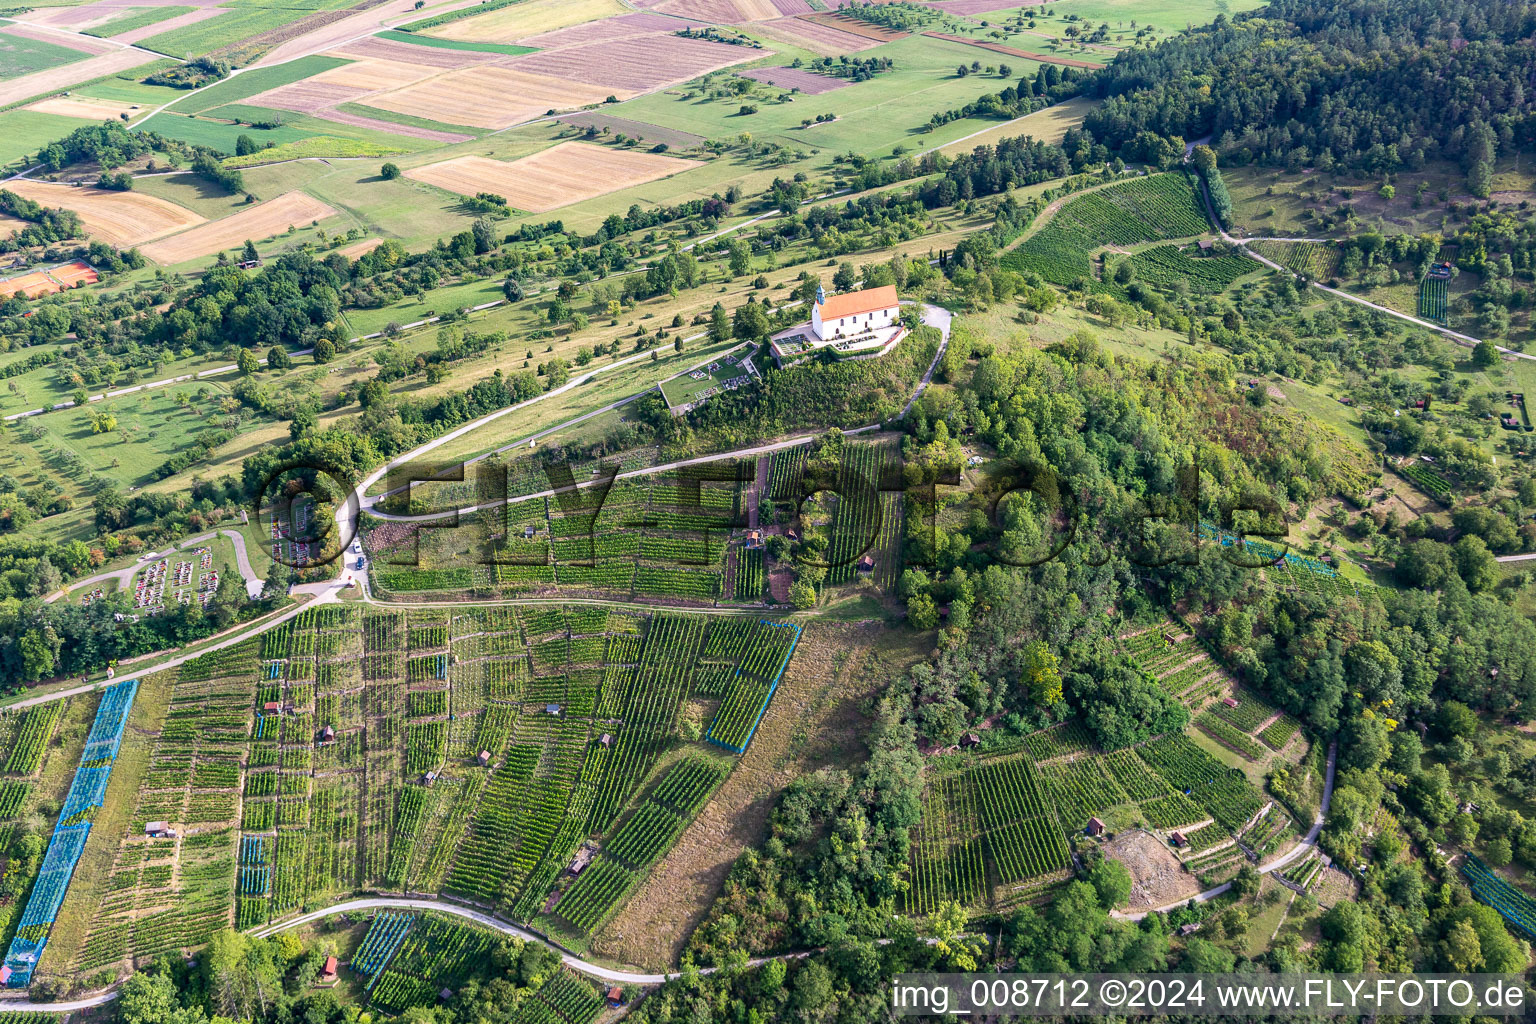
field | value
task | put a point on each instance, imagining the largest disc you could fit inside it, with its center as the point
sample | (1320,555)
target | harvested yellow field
(85,107)
(376,74)
(1048,125)
(552,178)
(264,220)
(527,19)
(490,97)
(118,218)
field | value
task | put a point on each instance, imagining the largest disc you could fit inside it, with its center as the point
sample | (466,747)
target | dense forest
(1356,85)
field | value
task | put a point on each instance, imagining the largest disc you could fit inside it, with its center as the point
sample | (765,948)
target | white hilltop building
(860,324)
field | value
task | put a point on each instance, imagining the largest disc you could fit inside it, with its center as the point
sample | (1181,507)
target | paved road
(416,454)
(332,590)
(575,963)
(570,960)
(8,1005)
(124,576)
(1283,860)
(1516,558)
(323,593)
(933,316)
(253,583)
(120,392)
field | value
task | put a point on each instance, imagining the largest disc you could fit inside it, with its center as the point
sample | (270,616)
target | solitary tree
(719,323)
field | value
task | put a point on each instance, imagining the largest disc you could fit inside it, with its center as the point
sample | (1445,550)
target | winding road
(575,963)
(1284,860)
(933,316)
(332,590)
(480,917)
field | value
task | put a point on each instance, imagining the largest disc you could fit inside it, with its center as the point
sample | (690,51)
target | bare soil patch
(1157,877)
(1334,886)
(84,107)
(357,249)
(812,721)
(637,65)
(808,82)
(820,39)
(326,29)
(309,97)
(625,26)
(406,53)
(376,73)
(856,26)
(721,12)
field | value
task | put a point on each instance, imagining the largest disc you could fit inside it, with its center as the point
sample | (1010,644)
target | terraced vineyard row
(1139,210)
(651,537)
(1166,265)
(1224,792)
(986,831)
(604,883)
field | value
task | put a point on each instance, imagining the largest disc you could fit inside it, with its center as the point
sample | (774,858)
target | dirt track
(819,698)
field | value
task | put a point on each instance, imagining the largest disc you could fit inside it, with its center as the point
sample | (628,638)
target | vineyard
(751,575)
(1267,833)
(1166,265)
(605,881)
(1139,210)
(86,794)
(1177,660)
(1214,726)
(1225,793)
(409,960)
(1304,873)
(1512,904)
(1316,261)
(989,834)
(858,523)
(660,537)
(37,727)
(1427,480)
(764,656)
(347,752)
